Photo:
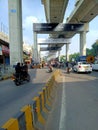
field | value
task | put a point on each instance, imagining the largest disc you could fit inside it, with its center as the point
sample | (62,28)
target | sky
(33,12)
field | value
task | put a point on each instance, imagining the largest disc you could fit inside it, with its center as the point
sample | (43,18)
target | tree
(89,52)
(95,48)
(73,56)
(62,58)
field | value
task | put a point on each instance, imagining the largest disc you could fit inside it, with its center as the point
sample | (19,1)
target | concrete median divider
(39,120)
(44,110)
(28,117)
(20,117)
(48,101)
(11,124)
(2,129)
(34,115)
(47,104)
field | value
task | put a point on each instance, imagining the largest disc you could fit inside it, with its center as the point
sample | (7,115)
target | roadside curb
(5,77)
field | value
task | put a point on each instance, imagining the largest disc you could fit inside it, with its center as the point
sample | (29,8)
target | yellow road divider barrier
(29,117)
(11,124)
(39,120)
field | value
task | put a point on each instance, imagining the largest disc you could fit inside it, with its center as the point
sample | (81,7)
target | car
(95,65)
(82,66)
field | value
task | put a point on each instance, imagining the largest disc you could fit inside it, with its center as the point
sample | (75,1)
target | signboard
(56,40)
(5,49)
(56,27)
(0,50)
(81,58)
(50,48)
(13,10)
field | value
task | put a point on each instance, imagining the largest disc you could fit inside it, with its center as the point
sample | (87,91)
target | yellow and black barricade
(20,116)
(39,120)
(28,117)
(11,124)
(2,129)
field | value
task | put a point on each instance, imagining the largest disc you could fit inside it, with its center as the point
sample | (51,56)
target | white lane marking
(63,109)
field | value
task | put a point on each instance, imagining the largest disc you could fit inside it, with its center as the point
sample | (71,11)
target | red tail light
(79,66)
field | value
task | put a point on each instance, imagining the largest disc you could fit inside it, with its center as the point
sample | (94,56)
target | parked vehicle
(82,66)
(19,79)
(95,65)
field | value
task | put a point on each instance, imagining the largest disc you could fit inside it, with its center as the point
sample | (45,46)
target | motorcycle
(19,79)
(50,69)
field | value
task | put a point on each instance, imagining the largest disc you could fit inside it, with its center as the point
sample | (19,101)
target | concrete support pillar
(48,10)
(35,47)
(15,31)
(83,39)
(59,55)
(82,43)
(39,54)
(67,51)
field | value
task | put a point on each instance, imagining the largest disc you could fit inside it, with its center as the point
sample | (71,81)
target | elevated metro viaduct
(58,43)
(56,28)
(85,11)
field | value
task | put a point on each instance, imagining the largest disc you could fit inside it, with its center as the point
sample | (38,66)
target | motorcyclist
(21,74)
(18,70)
(68,65)
(50,68)
(25,69)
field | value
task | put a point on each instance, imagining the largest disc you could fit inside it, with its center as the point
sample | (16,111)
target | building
(27,52)
(4,49)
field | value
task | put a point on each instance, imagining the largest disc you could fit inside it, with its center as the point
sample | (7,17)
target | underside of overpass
(55,10)
(84,11)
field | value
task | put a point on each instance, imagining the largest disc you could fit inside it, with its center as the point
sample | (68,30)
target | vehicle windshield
(84,62)
(96,62)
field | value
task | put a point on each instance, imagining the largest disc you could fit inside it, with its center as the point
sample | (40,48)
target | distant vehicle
(35,66)
(82,66)
(95,65)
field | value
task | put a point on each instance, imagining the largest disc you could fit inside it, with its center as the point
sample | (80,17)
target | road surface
(13,98)
(76,103)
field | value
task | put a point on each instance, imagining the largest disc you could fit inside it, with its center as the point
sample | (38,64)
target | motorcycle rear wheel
(28,78)
(17,83)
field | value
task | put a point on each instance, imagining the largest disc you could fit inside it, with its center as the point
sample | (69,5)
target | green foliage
(90,52)
(94,50)
(73,56)
(62,58)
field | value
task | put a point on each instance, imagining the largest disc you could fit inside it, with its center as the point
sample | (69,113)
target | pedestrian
(67,66)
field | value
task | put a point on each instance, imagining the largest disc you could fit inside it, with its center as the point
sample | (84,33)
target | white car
(95,65)
(82,66)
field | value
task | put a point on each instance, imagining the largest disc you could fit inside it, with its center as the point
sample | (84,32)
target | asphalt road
(76,103)
(13,98)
